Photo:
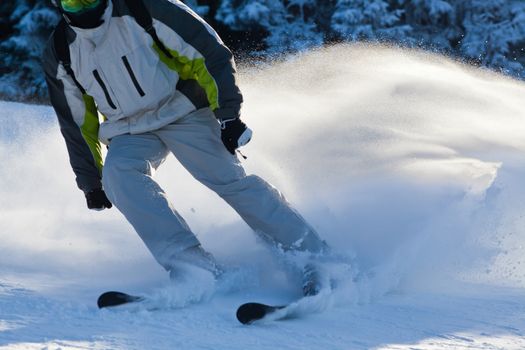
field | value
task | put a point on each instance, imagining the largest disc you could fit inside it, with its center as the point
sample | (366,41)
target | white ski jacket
(131,85)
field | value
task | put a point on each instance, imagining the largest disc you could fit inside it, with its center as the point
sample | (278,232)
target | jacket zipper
(132,76)
(103,86)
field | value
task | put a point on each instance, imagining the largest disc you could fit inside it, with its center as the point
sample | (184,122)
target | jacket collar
(96,35)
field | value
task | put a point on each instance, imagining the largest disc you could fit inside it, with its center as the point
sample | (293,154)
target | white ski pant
(195,142)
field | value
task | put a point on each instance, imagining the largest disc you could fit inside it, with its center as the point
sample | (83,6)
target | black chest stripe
(103,86)
(132,75)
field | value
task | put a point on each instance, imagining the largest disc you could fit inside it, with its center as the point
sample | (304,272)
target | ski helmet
(82,13)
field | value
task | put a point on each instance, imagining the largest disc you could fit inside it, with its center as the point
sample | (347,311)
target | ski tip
(250,312)
(113,298)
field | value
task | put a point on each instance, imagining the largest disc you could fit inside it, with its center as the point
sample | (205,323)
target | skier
(162,81)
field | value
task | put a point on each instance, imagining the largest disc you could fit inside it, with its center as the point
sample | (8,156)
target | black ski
(110,299)
(250,312)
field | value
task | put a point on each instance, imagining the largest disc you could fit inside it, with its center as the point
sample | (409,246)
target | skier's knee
(250,183)
(116,165)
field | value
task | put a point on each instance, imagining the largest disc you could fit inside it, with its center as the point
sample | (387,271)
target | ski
(250,312)
(112,298)
(312,285)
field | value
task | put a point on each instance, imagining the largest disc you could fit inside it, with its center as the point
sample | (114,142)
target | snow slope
(409,164)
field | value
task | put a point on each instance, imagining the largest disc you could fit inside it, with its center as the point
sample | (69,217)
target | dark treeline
(487,33)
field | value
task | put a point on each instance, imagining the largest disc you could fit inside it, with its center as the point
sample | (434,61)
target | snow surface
(410,164)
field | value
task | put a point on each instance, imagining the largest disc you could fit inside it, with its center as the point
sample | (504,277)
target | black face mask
(89,19)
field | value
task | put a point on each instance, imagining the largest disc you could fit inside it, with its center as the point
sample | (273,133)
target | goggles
(77,6)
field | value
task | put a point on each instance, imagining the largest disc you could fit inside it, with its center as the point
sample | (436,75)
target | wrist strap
(223,122)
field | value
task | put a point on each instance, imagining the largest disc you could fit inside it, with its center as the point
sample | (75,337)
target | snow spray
(410,162)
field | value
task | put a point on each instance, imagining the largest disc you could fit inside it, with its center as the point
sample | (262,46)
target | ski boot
(195,256)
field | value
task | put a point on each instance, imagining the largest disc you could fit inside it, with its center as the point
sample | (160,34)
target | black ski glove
(97,200)
(234,134)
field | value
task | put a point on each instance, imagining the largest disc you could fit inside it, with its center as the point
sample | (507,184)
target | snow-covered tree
(324,10)
(6,23)
(299,30)
(20,53)
(489,32)
(368,20)
(290,24)
(492,29)
(434,22)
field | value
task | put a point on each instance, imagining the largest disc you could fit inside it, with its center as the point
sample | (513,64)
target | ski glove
(97,200)
(234,134)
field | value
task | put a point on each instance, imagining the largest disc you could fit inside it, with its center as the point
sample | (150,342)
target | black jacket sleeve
(76,115)
(218,59)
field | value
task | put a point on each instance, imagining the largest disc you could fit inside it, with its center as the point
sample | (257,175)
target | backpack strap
(62,51)
(143,17)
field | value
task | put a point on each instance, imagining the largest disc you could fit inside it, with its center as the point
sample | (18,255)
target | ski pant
(195,141)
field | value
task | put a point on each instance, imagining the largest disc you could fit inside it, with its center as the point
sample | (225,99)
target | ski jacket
(132,84)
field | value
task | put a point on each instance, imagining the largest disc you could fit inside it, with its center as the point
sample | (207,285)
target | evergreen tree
(435,23)
(298,31)
(289,24)
(368,20)
(489,32)
(6,20)
(493,28)
(6,29)
(32,22)
(324,10)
